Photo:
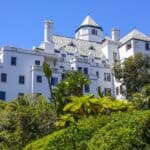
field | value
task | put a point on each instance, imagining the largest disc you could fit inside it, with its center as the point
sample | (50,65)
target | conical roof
(89,22)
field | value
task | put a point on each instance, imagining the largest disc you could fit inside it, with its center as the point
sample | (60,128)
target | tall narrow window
(147,46)
(107,91)
(2,95)
(128,46)
(97,74)
(94,31)
(107,77)
(21,79)
(3,77)
(87,88)
(85,70)
(39,79)
(80,69)
(117,90)
(54,81)
(13,61)
(115,56)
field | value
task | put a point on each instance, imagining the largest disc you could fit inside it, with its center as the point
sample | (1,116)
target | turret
(89,30)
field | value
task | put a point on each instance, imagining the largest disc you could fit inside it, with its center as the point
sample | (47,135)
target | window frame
(3,94)
(3,77)
(38,79)
(107,76)
(21,79)
(37,64)
(13,61)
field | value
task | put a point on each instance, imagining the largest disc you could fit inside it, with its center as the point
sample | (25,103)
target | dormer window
(63,55)
(94,32)
(71,44)
(91,48)
(128,46)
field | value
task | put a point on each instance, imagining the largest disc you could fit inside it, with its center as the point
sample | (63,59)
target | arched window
(94,31)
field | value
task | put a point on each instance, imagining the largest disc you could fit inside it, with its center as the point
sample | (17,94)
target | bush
(73,137)
(23,120)
(118,131)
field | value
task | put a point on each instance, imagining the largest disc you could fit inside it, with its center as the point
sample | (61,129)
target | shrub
(123,130)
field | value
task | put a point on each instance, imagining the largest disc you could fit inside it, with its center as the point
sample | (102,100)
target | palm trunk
(51,92)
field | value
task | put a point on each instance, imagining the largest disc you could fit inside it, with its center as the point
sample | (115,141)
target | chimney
(48,31)
(115,35)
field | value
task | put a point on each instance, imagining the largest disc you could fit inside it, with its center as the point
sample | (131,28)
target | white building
(89,52)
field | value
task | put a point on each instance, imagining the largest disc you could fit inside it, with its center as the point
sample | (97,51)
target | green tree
(23,120)
(141,100)
(48,74)
(135,72)
(71,85)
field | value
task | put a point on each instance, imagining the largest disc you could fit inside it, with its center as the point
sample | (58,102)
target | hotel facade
(89,52)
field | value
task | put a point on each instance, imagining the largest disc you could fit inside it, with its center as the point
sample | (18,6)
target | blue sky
(21,21)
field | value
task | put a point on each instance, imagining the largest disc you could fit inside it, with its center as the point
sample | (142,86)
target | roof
(89,22)
(72,45)
(134,34)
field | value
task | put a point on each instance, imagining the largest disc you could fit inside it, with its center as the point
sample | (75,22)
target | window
(85,70)
(107,91)
(37,62)
(62,67)
(2,95)
(63,55)
(107,77)
(37,94)
(94,31)
(3,77)
(114,56)
(147,46)
(21,79)
(79,59)
(54,81)
(91,48)
(104,62)
(80,69)
(13,61)
(86,88)
(121,89)
(70,54)
(71,44)
(97,74)
(117,90)
(128,46)
(39,79)
(20,94)
(57,51)
(63,76)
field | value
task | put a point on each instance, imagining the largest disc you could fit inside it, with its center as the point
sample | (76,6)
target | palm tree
(82,106)
(48,74)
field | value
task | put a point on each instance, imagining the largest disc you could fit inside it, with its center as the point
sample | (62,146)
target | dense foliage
(71,85)
(135,73)
(74,121)
(118,131)
(24,119)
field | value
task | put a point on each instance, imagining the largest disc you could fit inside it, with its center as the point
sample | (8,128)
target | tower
(89,30)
